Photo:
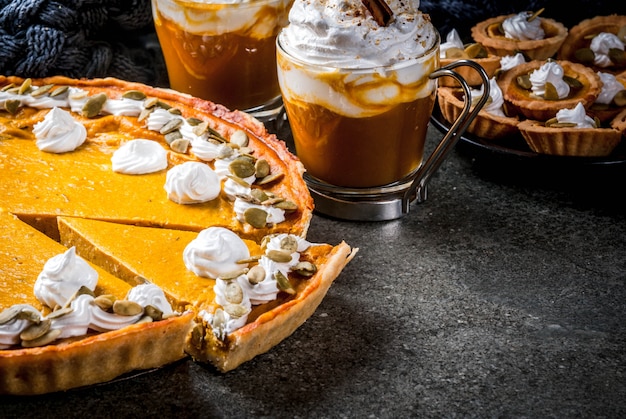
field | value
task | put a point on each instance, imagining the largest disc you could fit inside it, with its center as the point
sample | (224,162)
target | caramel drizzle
(380,10)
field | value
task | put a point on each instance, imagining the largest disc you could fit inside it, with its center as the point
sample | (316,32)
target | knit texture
(80,38)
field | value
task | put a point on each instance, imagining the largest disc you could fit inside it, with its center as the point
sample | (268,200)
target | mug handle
(418,189)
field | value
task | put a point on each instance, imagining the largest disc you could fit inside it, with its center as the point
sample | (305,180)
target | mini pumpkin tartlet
(577,47)
(612,98)
(490,34)
(584,86)
(568,139)
(475,52)
(485,124)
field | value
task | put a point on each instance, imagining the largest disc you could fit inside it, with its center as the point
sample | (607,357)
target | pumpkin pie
(580,84)
(597,42)
(491,34)
(86,158)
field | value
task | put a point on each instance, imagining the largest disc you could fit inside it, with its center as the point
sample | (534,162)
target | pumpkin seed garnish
(455,52)
(59,91)
(550,92)
(7,87)
(251,259)
(60,312)
(279,256)
(200,128)
(194,121)
(305,268)
(233,293)
(259,195)
(134,95)
(283,283)
(144,114)
(621,33)
(242,167)
(475,50)
(150,102)
(240,138)
(197,336)
(617,56)
(153,312)
(36,330)
(105,301)
(44,340)
(12,106)
(572,82)
(171,125)
(42,90)
(289,244)
(256,274)
(584,55)
(18,311)
(620,98)
(286,205)
(127,308)
(523,81)
(236,310)
(256,217)
(25,87)
(261,168)
(180,145)
(93,105)
(226,276)
(536,14)
(175,111)
(170,137)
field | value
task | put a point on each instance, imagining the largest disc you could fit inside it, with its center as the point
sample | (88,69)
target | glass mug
(360,133)
(223,51)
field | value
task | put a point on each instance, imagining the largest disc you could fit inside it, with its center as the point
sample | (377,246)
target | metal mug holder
(392,201)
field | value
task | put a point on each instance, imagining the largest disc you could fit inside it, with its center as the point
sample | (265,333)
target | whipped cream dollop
(59,132)
(577,116)
(610,87)
(191,183)
(520,28)
(343,33)
(215,251)
(510,61)
(453,40)
(601,44)
(494,106)
(62,276)
(137,157)
(550,72)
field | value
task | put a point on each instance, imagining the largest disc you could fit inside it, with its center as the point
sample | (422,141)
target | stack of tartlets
(557,75)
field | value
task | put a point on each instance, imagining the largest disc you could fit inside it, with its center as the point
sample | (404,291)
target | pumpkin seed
(261,168)
(286,205)
(127,308)
(10,313)
(289,244)
(259,195)
(256,274)
(197,336)
(194,121)
(42,90)
(270,179)
(93,105)
(617,56)
(144,114)
(495,29)
(175,111)
(305,269)
(134,95)
(279,256)
(233,274)
(283,283)
(170,137)
(584,55)
(36,330)
(621,33)
(150,103)
(59,91)
(153,312)
(105,301)
(572,82)
(550,92)
(256,217)
(25,87)
(60,312)
(233,293)
(171,126)
(180,145)
(455,53)
(236,310)
(251,259)
(44,340)
(145,319)
(219,321)
(523,81)
(240,138)
(242,167)
(620,98)
(7,87)
(12,106)
(476,50)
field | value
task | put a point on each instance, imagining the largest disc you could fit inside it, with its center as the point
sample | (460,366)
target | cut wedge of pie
(154,189)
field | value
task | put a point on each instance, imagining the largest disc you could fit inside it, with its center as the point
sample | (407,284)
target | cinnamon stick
(380,10)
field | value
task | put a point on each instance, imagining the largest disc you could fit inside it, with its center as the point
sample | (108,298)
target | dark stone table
(502,295)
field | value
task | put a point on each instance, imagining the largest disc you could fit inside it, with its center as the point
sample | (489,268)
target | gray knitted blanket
(80,38)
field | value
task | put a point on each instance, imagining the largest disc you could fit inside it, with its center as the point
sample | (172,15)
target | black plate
(514,150)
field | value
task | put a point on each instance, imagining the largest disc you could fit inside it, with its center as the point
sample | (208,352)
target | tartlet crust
(490,64)
(540,49)
(540,109)
(580,142)
(484,125)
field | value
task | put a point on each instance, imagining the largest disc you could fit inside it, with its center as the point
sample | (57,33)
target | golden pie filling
(152,212)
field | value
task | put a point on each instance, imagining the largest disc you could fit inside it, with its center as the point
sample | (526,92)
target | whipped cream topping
(601,44)
(191,183)
(610,87)
(550,72)
(577,116)
(59,132)
(215,251)
(137,157)
(150,294)
(453,40)
(510,61)
(232,322)
(62,276)
(344,34)
(518,27)
(495,105)
(274,215)
(255,18)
